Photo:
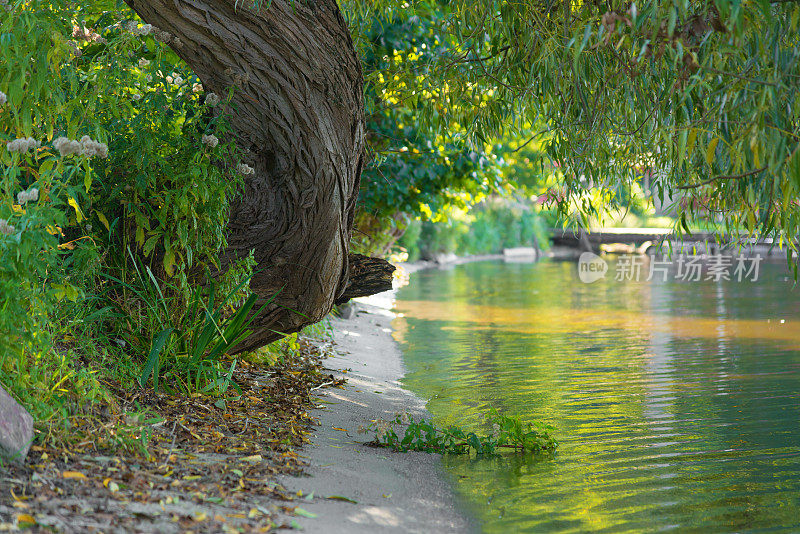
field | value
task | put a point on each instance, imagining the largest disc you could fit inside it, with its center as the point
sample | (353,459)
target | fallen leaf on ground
(304,513)
(25,519)
(342,498)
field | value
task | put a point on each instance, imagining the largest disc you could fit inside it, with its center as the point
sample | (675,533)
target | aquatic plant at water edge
(508,434)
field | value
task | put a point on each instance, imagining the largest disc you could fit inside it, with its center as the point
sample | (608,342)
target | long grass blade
(151,366)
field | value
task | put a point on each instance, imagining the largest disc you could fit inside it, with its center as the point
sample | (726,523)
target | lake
(675,402)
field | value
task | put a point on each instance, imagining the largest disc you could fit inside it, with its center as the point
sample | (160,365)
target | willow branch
(722,177)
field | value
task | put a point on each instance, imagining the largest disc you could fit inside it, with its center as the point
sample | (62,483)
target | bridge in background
(626,240)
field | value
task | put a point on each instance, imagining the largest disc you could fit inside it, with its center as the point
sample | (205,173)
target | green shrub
(115,163)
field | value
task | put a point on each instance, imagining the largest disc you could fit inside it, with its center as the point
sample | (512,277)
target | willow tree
(703,94)
(298,116)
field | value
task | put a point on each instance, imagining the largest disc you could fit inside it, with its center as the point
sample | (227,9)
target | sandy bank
(395,492)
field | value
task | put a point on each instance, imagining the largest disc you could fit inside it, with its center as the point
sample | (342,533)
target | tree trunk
(297,112)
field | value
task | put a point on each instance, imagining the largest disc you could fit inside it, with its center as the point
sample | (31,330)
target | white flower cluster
(143,63)
(175,78)
(496,431)
(161,35)
(6,228)
(90,147)
(26,196)
(197,88)
(135,29)
(86,34)
(3,98)
(212,99)
(66,146)
(245,169)
(85,147)
(23,145)
(210,140)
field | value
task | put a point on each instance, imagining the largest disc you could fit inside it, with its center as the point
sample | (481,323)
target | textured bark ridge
(367,277)
(298,113)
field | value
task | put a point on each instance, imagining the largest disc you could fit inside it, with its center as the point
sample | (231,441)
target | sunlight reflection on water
(676,403)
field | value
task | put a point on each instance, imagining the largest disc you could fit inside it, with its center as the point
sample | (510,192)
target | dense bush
(117,172)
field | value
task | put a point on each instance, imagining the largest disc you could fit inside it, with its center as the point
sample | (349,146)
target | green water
(676,404)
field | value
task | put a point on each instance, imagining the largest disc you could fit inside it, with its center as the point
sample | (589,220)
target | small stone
(16,428)
(346,311)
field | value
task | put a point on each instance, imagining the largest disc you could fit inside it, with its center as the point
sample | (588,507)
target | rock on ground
(16,428)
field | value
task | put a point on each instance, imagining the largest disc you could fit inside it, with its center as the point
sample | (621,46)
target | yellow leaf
(54,230)
(754,146)
(74,203)
(169,262)
(73,474)
(711,153)
(25,519)
(690,142)
(201,516)
(103,220)
(254,458)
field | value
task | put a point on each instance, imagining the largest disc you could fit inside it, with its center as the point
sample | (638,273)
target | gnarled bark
(367,276)
(297,111)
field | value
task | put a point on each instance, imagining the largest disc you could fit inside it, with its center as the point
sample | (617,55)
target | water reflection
(676,403)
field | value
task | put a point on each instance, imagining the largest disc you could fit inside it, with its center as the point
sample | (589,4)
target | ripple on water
(676,404)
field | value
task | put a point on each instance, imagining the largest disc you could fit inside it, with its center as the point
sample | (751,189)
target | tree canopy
(700,95)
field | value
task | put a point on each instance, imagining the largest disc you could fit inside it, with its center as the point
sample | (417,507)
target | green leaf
(341,498)
(150,244)
(151,366)
(304,513)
